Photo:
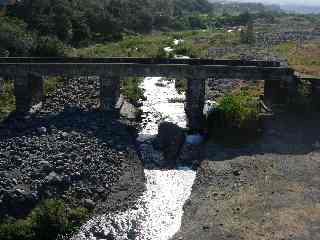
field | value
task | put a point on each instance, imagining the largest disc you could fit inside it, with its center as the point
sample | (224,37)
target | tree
(247,36)
(15,40)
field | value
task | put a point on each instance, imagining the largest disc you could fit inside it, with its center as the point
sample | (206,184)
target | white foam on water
(157,215)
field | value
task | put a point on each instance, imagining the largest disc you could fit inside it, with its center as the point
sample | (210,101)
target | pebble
(63,155)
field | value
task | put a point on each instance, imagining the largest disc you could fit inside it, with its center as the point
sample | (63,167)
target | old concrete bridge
(28,77)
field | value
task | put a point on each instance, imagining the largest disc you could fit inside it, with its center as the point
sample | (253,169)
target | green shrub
(15,40)
(7,99)
(236,119)
(52,84)
(49,47)
(48,221)
(131,90)
(185,49)
(17,230)
(239,110)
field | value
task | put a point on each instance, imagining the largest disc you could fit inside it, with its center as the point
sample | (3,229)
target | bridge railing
(190,61)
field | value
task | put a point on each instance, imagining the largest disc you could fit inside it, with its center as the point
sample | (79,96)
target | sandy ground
(265,190)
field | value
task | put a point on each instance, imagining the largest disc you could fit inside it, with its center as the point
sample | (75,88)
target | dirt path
(267,190)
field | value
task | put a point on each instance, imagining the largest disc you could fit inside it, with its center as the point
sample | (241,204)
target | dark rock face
(170,139)
(68,150)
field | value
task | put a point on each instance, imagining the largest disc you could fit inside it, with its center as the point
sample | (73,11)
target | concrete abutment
(109,93)
(28,91)
(195,97)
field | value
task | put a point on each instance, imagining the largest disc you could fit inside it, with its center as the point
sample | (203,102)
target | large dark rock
(129,111)
(18,202)
(170,139)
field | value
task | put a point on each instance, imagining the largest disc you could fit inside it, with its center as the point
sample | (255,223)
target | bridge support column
(315,91)
(109,93)
(292,88)
(28,91)
(272,92)
(1,85)
(194,103)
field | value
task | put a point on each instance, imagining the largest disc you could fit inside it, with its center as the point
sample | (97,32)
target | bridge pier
(109,93)
(1,85)
(28,91)
(315,91)
(194,103)
(272,92)
(292,88)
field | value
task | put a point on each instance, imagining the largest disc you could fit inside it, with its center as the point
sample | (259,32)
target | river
(158,212)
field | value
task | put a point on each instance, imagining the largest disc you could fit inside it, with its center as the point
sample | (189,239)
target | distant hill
(300,8)
(312,6)
(239,6)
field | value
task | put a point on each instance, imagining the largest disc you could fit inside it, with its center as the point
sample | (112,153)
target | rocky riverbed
(69,150)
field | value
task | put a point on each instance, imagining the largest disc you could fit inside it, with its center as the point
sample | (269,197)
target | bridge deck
(146,61)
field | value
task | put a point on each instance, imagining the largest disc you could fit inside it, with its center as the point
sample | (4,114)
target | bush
(185,49)
(7,99)
(131,90)
(15,40)
(239,110)
(236,117)
(52,84)
(48,221)
(49,47)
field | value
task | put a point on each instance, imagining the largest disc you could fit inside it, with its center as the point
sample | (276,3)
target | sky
(295,2)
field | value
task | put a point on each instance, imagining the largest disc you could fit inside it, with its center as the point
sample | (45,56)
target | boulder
(129,111)
(17,202)
(190,154)
(170,139)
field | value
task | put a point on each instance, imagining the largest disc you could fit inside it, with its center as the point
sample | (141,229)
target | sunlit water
(158,212)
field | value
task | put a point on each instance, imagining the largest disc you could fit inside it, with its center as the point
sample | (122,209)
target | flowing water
(157,214)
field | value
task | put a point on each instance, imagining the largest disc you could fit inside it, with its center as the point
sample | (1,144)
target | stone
(194,139)
(128,110)
(45,166)
(89,204)
(53,178)
(42,130)
(170,139)
(189,154)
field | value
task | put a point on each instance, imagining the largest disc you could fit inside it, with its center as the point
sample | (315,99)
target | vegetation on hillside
(305,59)
(47,26)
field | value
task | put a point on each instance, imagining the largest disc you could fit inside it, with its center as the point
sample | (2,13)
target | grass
(7,100)
(50,220)
(196,44)
(130,46)
(52,84)
(305,60)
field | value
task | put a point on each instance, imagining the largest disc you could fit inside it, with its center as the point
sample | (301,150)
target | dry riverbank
(265,190)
